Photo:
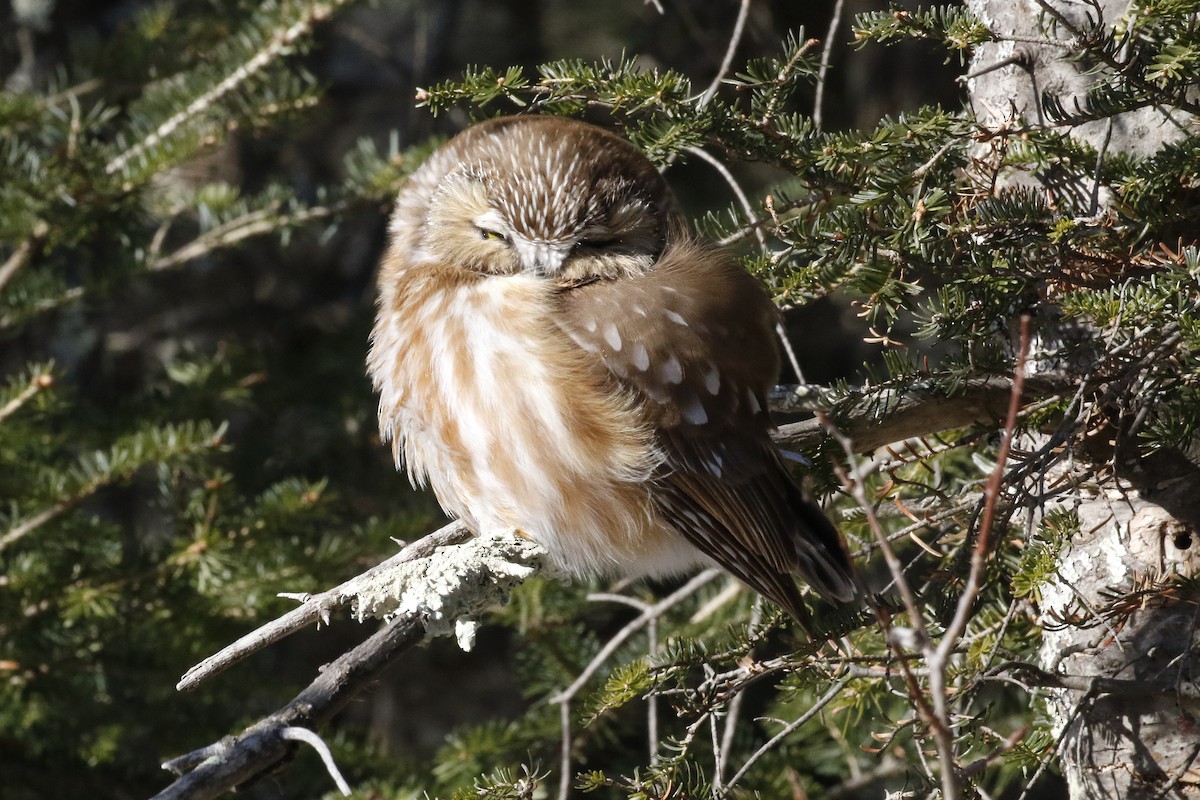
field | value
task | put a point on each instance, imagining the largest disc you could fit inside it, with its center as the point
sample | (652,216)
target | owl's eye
(495,236)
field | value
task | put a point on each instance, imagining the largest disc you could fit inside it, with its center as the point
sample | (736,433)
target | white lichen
(451,588)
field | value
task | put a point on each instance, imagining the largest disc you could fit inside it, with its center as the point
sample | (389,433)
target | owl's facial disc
(566,215)
(535,256)
(542,258)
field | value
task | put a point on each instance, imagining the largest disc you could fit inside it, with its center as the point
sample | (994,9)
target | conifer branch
(39,381)
(278,46)
(896,413)
(254,223)
(125,458)
(1112,62)
(20,257)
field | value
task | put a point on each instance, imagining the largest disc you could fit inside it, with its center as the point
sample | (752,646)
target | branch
(435,585)
(823,71)
(20,257)
(915,410)
(236,760)
(727,61)
(317,608)
(451,552)
(281,44)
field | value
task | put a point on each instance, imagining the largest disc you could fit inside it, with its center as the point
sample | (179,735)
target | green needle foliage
(151,511)
(148,512)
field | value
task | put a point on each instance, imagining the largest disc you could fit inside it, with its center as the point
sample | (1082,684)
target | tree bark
(1111,611)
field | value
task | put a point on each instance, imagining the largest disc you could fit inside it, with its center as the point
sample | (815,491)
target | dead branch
(894,414)
(236,760)
(317,608)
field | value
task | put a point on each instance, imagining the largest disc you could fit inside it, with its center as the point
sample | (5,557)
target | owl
(555,353)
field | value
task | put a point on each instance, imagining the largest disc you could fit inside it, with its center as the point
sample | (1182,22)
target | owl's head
(547,196)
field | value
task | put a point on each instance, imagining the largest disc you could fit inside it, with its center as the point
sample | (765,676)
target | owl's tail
(821,558)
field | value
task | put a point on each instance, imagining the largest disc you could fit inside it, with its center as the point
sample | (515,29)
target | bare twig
(748,210)
(734,711)
(823,70)
(648,615)
(564,761)
(937,658)
(815,709)
(727,176)
(298,734)
(682,593)
(734,39)
(236,760)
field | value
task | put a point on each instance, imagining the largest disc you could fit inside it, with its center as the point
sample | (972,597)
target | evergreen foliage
(145,525)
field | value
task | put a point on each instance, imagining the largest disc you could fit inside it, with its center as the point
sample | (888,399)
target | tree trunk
(1124,647)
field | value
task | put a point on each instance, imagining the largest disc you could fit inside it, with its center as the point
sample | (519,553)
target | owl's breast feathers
(513,425)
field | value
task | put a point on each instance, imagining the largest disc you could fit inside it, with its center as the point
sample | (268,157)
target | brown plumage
(555,353)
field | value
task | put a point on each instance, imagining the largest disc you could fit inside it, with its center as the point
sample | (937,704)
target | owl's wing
(694,339)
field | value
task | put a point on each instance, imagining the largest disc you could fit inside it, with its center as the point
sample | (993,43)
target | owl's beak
(541,257)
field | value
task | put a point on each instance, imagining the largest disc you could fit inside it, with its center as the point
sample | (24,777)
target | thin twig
(813,710)
(734,711)
(295,733)
(682,593)
(564,767)
(748,210)
(937,659)
(742,199)
(826,51)
(734,39)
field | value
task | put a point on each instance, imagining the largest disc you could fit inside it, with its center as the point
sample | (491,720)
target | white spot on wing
(671,370)
(693,411)
(712,378)
(641,359)
(612,336)
(585,343)
(676,318)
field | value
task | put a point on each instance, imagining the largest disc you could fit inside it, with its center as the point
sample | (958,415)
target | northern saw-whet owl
(555,353)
